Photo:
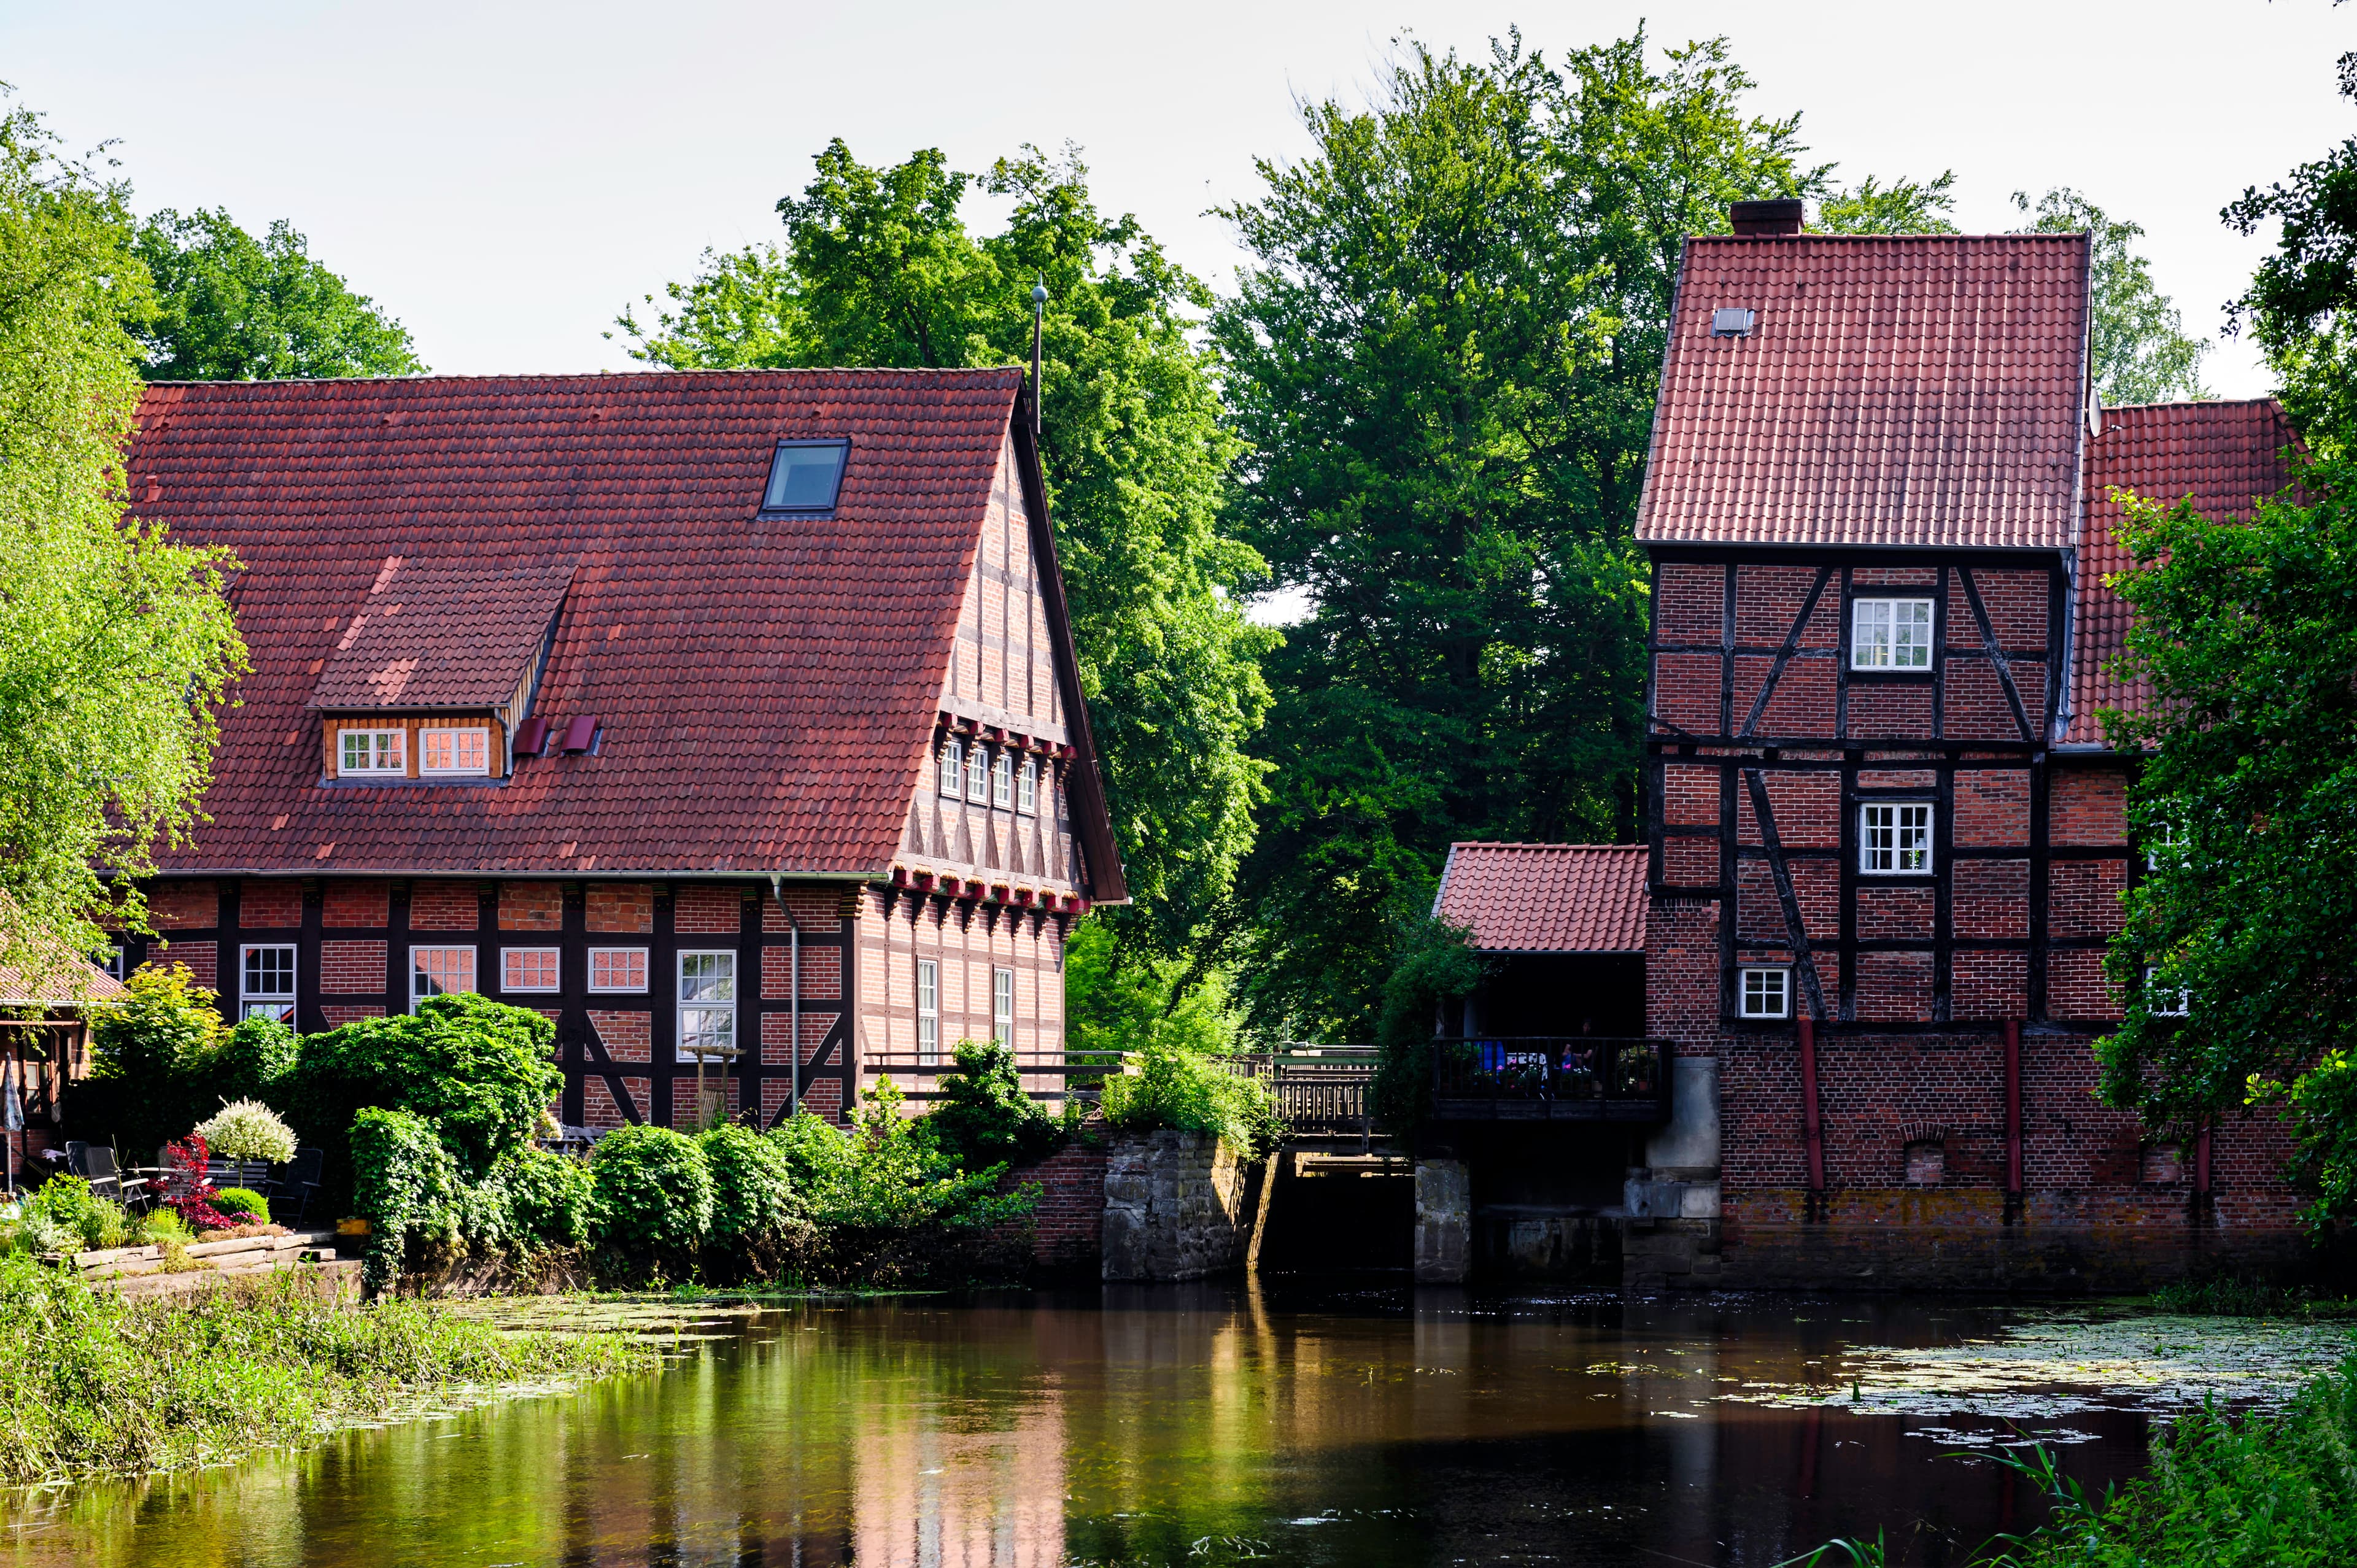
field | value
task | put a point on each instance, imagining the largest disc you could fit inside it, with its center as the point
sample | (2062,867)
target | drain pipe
(794,990)
(2013,1110)
(1811,1123)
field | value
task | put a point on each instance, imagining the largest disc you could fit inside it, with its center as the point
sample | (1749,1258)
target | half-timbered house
(731,719)
(1887,835)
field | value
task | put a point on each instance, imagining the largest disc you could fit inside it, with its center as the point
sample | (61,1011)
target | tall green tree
(1444,355)
(879,268)
(116,644)
(2136,340)
(230,307)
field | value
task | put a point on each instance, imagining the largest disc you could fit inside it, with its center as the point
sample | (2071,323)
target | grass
(93,1384)
(2227,1297)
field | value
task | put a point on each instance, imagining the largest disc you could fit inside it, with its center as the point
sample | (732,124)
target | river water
(1191,1426)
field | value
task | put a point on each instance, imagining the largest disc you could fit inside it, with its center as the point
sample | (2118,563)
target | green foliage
(248,1129)
(116,647)
(405,1185)
(2245,633)
(2261,1491)
(233,308)
(250,1063)
(550,1198)
(148,1054)
(2229,1296)
(1902,207)
(1116,999)
(67,1203)
(1192,1094)
(2135,336)
(653,1200)
(1433,964)
(91,1383)
(482,1072)
(879,269)
(754,1217)
(243,1203)
(983,1117)
(1443,360)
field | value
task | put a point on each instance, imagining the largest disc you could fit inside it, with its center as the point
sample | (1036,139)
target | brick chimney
(1762,219)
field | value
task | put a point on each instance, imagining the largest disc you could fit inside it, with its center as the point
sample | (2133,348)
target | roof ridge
(609,377)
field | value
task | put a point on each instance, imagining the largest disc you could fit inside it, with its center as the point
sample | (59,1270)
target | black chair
(95,1165)
(298,1183)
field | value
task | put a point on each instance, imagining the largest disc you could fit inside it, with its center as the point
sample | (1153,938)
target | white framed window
(454,751)
(617,969)
(2162,839)
(265,986)
(369,751)
(111,961)
(1027,785)
(1894,838)
(2160,1002)
(952,769)
(1002,780)
(929,1011)
(1765,991)
(528,968)
(437,971)
(977,774)
(707,1002)
(1001,1006)
(1890,634)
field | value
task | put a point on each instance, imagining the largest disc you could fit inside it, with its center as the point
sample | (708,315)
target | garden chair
(95,1165)
(297,1184)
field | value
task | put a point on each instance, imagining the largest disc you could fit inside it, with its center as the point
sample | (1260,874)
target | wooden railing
(1080,1071)
(1317,1088)
(1551,1077)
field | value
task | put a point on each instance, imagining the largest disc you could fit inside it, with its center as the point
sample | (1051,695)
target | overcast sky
(504,177)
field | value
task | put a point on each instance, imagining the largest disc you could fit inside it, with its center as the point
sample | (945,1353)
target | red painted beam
(1811,1122)
(2013,1106)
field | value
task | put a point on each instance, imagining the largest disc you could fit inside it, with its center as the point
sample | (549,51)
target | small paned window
(617,969)
(266,983)
(2160,1002)
(369,751)
(111,961)
(1002,780)
(953,770)
(977,776)
(1767,993)
(1027,785)
(1895,839)
(528,968)
(438,971)
(805,475)
(1002,1006)
(454,751)
(707,1003)
(929,1011)
(2163,839)
(1890,634)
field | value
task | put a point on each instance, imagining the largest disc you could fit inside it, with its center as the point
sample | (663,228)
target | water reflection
(1170,1426)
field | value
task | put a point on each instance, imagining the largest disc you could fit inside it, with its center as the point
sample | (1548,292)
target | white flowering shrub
(247,1130)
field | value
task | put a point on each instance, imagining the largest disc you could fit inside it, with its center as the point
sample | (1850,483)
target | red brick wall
(815,910)
(348,968)
(1993,985)
(269,906)
(1894,914)
(706,911)
(2087,806)
(778,1027)
(1894,987)
(339,1014)
(1686,691)
(1690,861)
(1807,807)
(1682,971)
(1891,712)
(532,906)
(355,907)
(627,1036)
(2075,986)
(1992,808)
(202,959)
(1988,900)
(1067,1227)
(597,1105)
(1688,603)
(822,973)
(443,906)
(2082,897)
(628,906)
(184,906)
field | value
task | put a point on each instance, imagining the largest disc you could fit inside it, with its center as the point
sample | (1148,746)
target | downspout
(1811,1123)
(2013,1119)
(794,990)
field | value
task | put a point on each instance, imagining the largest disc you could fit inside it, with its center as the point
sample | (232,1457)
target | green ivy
(406,1187)
(753,1209)
(653,1200)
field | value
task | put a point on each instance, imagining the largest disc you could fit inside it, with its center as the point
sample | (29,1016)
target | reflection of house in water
(933,1490)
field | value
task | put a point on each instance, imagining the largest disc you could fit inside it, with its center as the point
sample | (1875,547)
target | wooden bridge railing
(1317,1088)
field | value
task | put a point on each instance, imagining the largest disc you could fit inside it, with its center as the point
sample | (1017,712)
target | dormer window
(454,751)
(977,776)
(953,770)
(804,477)
(370,751)
(1002,780)
(1027,791)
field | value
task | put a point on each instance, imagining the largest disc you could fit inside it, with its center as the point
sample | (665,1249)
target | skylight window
(804,476)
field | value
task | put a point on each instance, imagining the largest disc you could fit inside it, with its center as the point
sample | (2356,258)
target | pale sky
(505,177)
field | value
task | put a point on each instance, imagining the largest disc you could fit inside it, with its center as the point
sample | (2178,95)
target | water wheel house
(730,719)
(1886,838)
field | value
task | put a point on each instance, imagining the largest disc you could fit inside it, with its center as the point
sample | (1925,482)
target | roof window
(1732,321)
(804,476)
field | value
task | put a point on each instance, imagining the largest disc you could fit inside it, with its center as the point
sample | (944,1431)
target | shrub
(159,1225)
(1433,966)
(405,1187)
(64,1210)
(653,1199)
(242,1205)
(752,1202)
(146,1052)
(984,1118)
(248,1129)
(551,1198)
(193,1190)
(1181,1089)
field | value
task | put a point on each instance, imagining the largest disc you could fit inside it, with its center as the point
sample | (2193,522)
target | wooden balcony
(1549,1078)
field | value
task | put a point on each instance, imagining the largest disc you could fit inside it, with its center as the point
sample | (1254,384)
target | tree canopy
(1444,356)
(230,307)
(2136,337)
(116,645)
(879,268)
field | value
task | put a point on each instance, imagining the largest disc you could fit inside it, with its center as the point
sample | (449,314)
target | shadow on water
(1360,1424)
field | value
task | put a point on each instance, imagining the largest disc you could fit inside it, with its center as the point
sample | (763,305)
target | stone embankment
(147,1271)
(1177,1206)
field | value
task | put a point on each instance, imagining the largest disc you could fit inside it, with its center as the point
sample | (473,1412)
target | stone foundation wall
(1177,1206)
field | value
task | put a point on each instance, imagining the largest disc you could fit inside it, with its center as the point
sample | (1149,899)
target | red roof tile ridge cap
(2073,237)
(1012,374)
(2189,403)
(1518,843)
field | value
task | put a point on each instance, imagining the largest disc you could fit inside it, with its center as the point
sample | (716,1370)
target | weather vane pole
(1038,309)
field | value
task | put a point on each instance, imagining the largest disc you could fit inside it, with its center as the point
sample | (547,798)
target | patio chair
(298,1183)
(95,1165)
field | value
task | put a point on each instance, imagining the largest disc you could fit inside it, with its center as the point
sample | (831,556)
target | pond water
(1179,1425)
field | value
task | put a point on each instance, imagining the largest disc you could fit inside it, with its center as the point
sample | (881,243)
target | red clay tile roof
(2223,455)
(1909,390)
(1546,898)
(767,685)
(441,634)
